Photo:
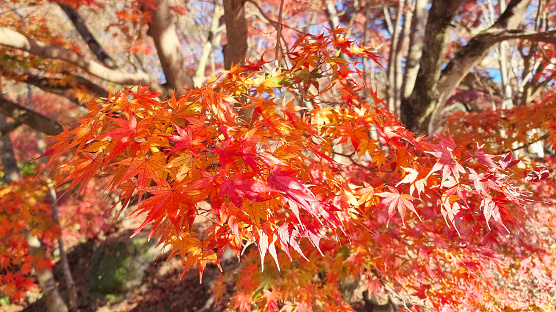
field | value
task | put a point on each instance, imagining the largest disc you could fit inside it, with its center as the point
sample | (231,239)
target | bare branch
(16,40)
(262,15)
(30,118)
(433,86)
(87,36)
(59,86)
(54,85)
(278,48)
(499,35)
(212,40)
(475,50)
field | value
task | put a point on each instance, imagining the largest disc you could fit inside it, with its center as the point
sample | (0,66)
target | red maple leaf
(243,302)
(394,199)
(297,194)
(447,161)
(146,168)
(484,158)
(245,186)
(123,135)
(187,140)
(507,161)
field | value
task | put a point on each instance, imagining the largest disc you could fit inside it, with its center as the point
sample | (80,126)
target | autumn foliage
(331,186)
(24,211)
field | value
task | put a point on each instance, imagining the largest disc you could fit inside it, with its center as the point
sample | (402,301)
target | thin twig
(527,144)
(353,161)
(279,33)
(274,23)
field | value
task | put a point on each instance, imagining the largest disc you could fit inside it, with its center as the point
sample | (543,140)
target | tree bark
(31,118)
(400,50)
(395,46)
(163,31)
(55,86)
(331,13)
(9,127)
(236,31)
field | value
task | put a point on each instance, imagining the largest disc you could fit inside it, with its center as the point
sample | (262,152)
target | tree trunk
(236,31)
(416,35)
(163,31)
(417,110)
(235,49)
(434,86)
(47,283)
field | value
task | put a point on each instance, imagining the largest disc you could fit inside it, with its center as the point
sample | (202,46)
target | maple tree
(272,181)
(300,157)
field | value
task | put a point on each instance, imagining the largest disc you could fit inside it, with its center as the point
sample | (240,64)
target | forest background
(315,143)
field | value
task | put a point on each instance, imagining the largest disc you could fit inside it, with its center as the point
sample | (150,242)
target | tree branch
(163,31)
(278,48)
(476,49)
(262,15)
(87,36)
(58,86)
(9,127)
(16,40)
(509,34)
(54,85)
(212,40)
(433,89)
(30,118)
(331,14)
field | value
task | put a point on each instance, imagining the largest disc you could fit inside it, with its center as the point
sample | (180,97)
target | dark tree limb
(87,36)
(54,85)
(6,128)
(30,118)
